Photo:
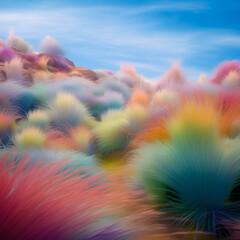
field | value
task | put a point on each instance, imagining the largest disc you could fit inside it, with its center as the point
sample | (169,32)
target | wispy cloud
(172,6)
(229,40)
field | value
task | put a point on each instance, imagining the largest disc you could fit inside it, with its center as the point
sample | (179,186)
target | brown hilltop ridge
(50,66)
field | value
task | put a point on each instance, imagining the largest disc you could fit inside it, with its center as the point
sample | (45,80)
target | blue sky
(150,35)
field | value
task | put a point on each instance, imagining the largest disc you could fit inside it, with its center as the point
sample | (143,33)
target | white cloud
(229,40)
(171,6)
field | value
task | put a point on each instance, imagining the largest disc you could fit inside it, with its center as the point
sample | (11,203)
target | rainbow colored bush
(83,151)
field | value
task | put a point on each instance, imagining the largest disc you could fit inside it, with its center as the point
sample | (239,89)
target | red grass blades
(38,202)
